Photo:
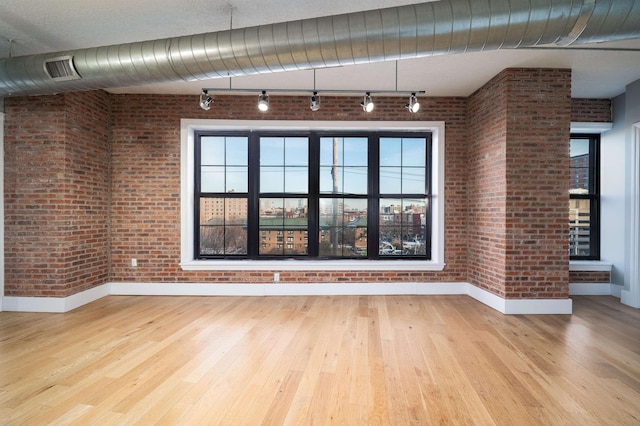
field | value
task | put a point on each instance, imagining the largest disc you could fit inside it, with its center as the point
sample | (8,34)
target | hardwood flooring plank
(346,360)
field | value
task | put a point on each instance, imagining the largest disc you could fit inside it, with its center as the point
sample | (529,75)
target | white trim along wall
(505,306)
(187,171)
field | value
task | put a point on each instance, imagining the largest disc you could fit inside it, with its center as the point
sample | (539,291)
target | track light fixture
(263,101)
(367,104)
(413,106)
(205,100)
(314,102)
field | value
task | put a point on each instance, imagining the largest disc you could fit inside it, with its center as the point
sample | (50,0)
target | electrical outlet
(134,263)
(276,277)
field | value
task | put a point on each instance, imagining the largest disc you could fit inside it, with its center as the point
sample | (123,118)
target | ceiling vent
(61,68)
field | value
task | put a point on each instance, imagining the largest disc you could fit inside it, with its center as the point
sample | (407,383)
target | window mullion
(373,197)
(197,186)
(253,207)
(429,189)
(313,224)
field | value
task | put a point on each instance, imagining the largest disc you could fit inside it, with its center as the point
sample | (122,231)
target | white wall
(613,229)
(1,205)
(631,292)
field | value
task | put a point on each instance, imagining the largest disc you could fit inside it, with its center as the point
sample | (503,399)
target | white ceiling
(38,26)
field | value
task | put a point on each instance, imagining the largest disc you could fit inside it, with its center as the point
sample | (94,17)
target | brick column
(519,126)
(57,166)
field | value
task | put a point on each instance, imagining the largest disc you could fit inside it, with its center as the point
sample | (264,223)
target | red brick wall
(92,181)
(538,128)
(519,141)
(487,136)
(56,194)
(590,110)
(590,277)
(146,179)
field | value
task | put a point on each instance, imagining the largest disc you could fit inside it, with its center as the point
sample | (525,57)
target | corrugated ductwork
(433,28)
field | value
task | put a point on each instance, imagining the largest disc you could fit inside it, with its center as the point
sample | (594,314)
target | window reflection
(284,165)
(283,226)
(224,164)
(402,165)
(343,227)
(348,178)
(343,165)
(402,225)
(580,163)
(223,226)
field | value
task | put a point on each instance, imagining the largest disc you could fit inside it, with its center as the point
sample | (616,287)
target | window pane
(579,166)
(212,150)
(224,164)
(237,151)
(221,240)
(271,151)
(343,227)
(271,179)
(221,179)
(402,227)
(331,151)
(211,211)
(331,183)
(235,239)
(343,165)
(402,165)
(212,240)
(212,179)
(296,151)
(283,226)
(217,236)
(296,180)
(236,211)
(414,151)
(390,152)
(355,152)
(390,180)
(284,165)
(220,211)
(355,180)
(413,180)
(237,179)
(580,227)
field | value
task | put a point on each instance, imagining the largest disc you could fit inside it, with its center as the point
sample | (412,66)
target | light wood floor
(353,360)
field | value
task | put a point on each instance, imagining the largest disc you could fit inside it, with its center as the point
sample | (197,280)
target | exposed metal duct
(433,28)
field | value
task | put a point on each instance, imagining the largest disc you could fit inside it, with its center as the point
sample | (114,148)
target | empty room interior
(368,212)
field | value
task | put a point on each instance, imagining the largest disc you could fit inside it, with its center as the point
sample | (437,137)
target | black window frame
(593,196)
(255,237)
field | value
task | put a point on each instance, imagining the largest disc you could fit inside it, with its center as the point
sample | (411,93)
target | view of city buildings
(283,227)
(579,209)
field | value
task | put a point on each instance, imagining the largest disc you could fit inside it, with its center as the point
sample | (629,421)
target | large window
(313,195)
(584,224)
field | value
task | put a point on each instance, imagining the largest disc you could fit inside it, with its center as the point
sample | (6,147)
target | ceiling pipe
(405,32)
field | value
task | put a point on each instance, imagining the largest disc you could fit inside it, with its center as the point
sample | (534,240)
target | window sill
(311,265)
(590,265)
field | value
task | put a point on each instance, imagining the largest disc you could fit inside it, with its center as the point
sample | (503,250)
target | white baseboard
(521,306)
(283,289)
(629,298)
(505,306)
(54,304)
(185,289)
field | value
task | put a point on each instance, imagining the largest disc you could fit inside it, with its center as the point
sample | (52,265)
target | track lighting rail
(367,104)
